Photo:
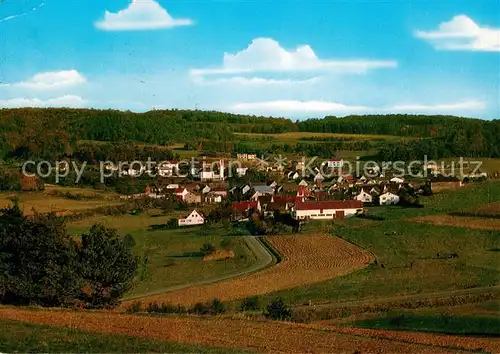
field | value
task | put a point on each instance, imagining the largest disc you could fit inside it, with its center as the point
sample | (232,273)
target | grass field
(172,257)
(294,137)
(33,338)
(398,242)
(438,323)
(53,200)
(306,259)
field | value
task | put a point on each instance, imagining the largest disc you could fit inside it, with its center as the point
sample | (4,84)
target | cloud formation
(283,107)
(69,101)
(462,33)
(265,55)
(251,81)
(140,15)
(52,80)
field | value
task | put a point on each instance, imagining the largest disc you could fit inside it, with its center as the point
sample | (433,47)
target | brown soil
(306,259)
(262,336)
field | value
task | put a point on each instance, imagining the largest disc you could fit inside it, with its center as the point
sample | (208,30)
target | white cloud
(251,81)
(283,107)
(70,101)
(462,33)
(140,15)
(52,80)
(265,55)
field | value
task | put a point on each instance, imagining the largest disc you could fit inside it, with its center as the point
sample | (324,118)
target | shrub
(207,248)
(200,309)
(278,310)
(251,303)
(217,307)
(134,307)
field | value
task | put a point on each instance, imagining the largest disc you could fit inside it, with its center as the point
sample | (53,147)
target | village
(288,190)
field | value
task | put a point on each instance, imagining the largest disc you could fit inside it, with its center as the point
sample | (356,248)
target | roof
(265,199)
(330,204)
(264,189)
(284,198)
(244,206)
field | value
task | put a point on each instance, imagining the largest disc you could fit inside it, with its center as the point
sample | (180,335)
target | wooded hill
(54,132)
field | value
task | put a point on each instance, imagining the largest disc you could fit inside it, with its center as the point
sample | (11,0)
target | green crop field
(477,319)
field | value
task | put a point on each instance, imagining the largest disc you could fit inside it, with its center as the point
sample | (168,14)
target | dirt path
(261,336)
(306,259)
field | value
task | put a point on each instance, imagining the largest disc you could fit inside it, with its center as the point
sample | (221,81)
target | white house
(194,218)
(389,198)
(397,180)
(168,169)
(364,197)
(241,171)
(335,163)
(245,189)
(205,190)
(303,183)
(331,209)
(181,193)
(293,175)
(213,198)
(172,186)
(319,178)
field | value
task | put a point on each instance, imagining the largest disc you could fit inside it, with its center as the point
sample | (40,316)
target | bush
(278,310)
(200,309)
(208,248)
(251,303)
(217,307)
(134,307)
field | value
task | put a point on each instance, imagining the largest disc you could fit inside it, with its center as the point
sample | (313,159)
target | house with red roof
(241,209)
(330,209)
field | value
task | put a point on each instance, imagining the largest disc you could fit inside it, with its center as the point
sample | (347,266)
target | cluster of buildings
(313,197)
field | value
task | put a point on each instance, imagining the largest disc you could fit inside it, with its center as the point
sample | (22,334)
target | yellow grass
(460,221)
(44,202)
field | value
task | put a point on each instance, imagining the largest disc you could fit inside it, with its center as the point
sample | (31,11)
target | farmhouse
(241,171)
(212,198)
(168,169)
(388,199)
(332,209)
(192,198)
(194,218)
(364,197)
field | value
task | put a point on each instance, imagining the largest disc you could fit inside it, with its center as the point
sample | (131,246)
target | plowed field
(230,333)
(306,259)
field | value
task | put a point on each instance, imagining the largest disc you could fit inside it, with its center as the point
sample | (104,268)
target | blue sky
(283,58)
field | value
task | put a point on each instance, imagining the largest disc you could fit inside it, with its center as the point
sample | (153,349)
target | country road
(264,257)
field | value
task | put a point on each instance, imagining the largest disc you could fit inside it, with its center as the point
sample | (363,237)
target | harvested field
(471,222)
(261,336)
(306,259)
(462,342)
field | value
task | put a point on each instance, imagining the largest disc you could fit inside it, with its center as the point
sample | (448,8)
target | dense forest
(54,133)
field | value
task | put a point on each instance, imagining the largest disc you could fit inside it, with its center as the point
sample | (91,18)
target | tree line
(56,132)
